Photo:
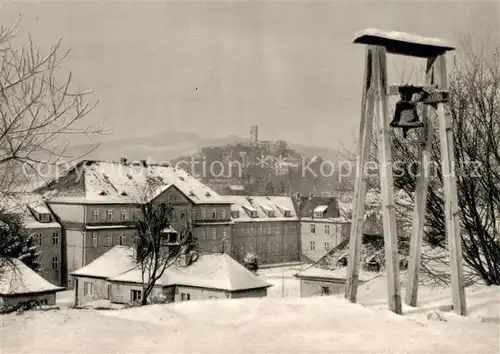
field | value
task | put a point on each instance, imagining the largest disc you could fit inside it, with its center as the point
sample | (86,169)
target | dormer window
(320,210)
(285,211)
(253,213)
(235,214)
(270,213)
(44,217)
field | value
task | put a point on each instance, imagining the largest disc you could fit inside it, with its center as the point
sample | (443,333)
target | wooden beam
(386,183)
(419,211)
(358,212)
(452,220)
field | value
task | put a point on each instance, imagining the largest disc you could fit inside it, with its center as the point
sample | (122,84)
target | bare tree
(158,244)
(38,109)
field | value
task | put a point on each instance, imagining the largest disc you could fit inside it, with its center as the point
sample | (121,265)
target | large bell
(406,115)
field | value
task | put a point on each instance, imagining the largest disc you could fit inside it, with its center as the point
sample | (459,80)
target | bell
(406,115)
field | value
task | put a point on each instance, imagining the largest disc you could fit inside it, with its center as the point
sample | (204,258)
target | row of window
(212,235)
(312,228)
(109,239)
(204,214)
(326,246)
(109,215)
(270,248)
(124,214)
(261,230)
(55,238)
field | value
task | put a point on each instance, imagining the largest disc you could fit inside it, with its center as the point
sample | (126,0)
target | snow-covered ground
(283,280)
(270,325)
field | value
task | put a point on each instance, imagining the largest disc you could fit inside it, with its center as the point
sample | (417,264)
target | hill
(300,168)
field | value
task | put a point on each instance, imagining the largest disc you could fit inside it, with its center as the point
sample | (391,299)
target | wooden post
(424,157)
(365,139)
(452,221)
(386,182)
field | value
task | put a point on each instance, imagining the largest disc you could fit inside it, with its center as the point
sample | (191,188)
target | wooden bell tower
(374,104)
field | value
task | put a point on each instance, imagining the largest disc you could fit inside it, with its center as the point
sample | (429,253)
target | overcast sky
(217,68)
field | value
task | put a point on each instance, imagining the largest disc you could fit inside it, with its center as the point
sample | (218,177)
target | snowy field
(276,324)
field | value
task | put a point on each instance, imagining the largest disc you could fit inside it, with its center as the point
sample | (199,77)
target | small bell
(406,115)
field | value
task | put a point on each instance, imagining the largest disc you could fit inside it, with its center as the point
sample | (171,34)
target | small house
(19,283)
(328,275)
(115,276)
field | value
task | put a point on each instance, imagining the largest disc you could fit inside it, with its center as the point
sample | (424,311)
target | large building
(322,226)
(266,226)
(97,204)
(47,232)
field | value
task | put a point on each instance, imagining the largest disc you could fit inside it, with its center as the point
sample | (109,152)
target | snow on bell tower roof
(403,43)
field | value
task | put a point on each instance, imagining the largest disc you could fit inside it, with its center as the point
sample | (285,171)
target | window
(259,247)
(223,214)
(94,239)
(185,296)
(183,214)
(193,214)
(318,214)
(269,247)
(135,295)
(96,215)
(312,245)
(327,229)
(327,246)
(294,246)
(109,291)
(325,290)
(260,229)
(87,288)
(214,233)
(278,248)
(121,239)
(269,229)
(55,263)
(202,214)
(214,214)
(45,217)
(109,239)
(251,230)
(55,238)
(224,232)
(313,228)
(136,214)
(123,215)
(203,233)
(285,229)
(109,215)
(43,302)
(38,239)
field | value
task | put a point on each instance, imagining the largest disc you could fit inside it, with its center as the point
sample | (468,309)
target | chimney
(144,163)
(123,160)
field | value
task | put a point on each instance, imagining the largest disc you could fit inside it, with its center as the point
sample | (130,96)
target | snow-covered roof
(21,203)
(321,208)
(216,271)
(116,182)
(17,279)
(336,274)
(117,260)
(261,204)
(235,187)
